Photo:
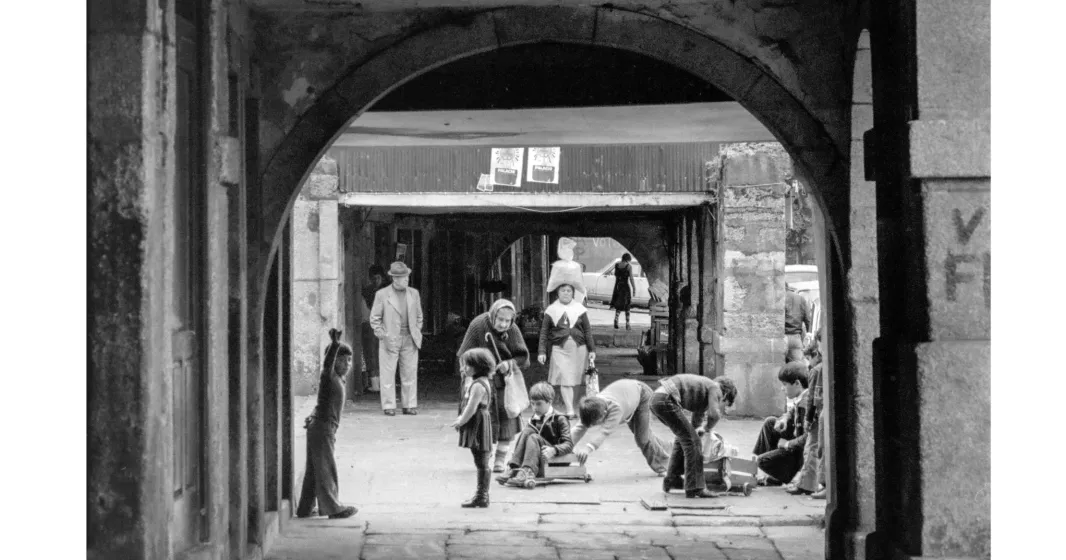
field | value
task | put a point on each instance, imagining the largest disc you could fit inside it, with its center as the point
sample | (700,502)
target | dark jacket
(815,394)
(555,430)
(797,314)
(556,335)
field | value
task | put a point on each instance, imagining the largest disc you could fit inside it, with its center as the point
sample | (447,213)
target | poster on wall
(506,169)
(543,165)
(484,183)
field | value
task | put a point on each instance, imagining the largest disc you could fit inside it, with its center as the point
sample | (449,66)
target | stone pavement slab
(407,475)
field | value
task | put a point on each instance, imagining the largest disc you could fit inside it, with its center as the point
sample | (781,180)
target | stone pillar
(708,294)
(932,361)
(692,285)
(855,420)
(131,171)
(315,278)
(750,341)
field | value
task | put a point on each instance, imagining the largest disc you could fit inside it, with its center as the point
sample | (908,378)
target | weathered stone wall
(316,275)
(751,341)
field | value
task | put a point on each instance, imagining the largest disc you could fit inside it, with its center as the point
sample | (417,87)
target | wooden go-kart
(741,472)
(565,468)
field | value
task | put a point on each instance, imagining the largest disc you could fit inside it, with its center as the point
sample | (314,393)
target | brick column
(932,368)
(750,340)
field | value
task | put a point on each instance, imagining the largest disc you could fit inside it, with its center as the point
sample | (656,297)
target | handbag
(515,396)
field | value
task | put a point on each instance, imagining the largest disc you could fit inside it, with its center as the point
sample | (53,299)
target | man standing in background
(797,319)
(396,318)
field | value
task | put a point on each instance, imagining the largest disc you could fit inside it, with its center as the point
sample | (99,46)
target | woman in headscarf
(320,472)
(622,297)
(497,332)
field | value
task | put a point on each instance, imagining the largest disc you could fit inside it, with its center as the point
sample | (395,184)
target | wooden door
(189,251)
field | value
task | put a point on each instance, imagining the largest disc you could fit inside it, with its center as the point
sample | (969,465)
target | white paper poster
(506,168)
(543,165)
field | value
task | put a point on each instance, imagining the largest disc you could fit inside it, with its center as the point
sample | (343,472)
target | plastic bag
(714,448)
(592,381)
(515,397)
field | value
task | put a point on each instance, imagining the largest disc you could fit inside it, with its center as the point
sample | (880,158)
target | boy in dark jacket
(781,442)
(546,436)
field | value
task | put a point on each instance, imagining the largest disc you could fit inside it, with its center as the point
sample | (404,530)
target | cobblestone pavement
(407,476)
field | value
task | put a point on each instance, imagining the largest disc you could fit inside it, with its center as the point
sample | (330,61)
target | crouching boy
(544,437)
(781,442)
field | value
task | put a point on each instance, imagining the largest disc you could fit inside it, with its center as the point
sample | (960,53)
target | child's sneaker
(520,477)
(504,478)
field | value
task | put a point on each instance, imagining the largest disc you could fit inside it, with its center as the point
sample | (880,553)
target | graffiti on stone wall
(961,267)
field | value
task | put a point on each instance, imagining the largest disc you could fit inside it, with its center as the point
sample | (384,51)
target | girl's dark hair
(480,361)
(627,257)
(793,372)
(592,411)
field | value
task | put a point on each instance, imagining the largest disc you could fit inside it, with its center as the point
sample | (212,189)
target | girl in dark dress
(622,297)
(320,473)
(475,424)
(497,332)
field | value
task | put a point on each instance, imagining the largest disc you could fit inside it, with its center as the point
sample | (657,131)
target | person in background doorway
(396,318)
(781,441)
(566,328)
(474,424)
(497,332)
(320,472)
(797,318)
(375,281)
(624,402)
(624,288)
(706,399)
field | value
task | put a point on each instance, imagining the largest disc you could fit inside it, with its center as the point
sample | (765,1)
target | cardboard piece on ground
(653,504)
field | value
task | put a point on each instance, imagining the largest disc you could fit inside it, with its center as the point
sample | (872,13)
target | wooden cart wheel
(588,478)
(747,488)
(530,483)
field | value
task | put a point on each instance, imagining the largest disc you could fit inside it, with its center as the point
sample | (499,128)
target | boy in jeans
(546,436)
(812,475)
(781,442)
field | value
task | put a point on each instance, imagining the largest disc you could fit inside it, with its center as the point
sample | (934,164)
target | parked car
(803,279)
(600,284)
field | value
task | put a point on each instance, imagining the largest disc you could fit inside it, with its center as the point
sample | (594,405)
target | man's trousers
(398,352)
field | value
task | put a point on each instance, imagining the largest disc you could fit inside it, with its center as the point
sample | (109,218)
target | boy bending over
(626,401)
(546,436)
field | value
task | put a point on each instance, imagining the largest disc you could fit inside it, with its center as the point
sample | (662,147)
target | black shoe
(411,411)
(345,513)
(390,412)
(313,513)
(671,483)
(478,501)
(701,493)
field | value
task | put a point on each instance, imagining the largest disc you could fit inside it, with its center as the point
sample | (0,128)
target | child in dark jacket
(475,423)
(546,436)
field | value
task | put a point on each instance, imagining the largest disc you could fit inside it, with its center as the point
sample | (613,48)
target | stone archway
(819,160)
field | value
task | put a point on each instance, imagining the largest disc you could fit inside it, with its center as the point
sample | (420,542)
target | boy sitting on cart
(546,436)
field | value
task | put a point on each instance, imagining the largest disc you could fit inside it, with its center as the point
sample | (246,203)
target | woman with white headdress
(566,328)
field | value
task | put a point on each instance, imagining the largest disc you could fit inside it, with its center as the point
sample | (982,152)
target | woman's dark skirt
(622,297)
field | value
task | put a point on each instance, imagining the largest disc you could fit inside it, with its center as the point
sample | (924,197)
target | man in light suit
(396,318)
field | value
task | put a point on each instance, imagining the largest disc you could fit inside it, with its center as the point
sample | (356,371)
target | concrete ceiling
(633,124)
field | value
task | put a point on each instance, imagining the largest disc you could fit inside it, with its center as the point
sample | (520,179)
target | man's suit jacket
(385,315)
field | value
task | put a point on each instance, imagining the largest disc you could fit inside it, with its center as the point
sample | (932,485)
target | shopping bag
(714,448)
(592,381)
(515,396)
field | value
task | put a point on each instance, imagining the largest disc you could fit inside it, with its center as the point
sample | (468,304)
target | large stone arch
(819,158)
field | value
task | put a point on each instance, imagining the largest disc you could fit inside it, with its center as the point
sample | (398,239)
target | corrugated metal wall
(614,168)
